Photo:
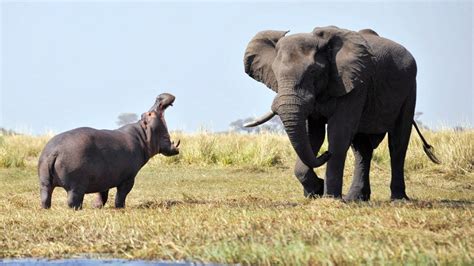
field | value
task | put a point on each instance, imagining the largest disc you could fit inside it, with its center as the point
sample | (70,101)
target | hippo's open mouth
(162,102)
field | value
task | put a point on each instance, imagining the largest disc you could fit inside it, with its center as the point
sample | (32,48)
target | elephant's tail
(429,150)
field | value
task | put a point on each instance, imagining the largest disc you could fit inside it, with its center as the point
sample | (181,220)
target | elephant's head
(328,62)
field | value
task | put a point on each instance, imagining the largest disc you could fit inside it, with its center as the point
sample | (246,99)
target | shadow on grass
(455,204)
(256,202)
(417,204)
(262,203)
(231,203)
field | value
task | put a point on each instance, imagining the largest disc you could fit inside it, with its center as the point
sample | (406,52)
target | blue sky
(66,64)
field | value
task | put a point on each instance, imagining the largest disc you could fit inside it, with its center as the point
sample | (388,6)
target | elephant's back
(394,82)
(392,59)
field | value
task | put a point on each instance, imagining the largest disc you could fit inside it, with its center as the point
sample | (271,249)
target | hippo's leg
(75,198)
(46,192)
(101,199)
(122,192)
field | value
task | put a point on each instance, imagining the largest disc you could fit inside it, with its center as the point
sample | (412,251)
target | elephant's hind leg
(360,188)
(398,141)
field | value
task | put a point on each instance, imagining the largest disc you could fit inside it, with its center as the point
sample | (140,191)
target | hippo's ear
(144,120)
(152,133)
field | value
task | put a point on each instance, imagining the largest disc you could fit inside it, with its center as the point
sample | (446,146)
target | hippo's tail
(46,168)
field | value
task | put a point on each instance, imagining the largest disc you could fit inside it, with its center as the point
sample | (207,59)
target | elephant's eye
(288,57)
(306,50)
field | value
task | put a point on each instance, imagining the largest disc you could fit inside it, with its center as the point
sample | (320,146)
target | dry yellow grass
(454,148)
(232,198)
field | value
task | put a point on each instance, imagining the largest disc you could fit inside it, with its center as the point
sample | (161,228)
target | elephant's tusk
(264,118)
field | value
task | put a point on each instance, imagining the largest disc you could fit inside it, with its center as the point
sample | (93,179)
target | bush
(20,150)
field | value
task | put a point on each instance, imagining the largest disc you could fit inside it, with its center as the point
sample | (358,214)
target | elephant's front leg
(362,148)
(335,166)
(342,126)
(312,184)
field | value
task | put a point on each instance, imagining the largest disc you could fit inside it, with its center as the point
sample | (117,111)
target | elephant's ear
(351,61)
(368,32)
(259,56)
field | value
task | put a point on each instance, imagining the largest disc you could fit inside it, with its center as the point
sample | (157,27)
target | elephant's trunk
(293,113)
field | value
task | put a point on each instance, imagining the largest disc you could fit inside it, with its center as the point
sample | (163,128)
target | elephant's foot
(335,197)
(357,196)
(401,196)
(313,194)
(314,189)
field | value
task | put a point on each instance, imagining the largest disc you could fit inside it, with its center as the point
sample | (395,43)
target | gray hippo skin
(87,160)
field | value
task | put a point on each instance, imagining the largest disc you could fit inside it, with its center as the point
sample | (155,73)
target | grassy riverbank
(233,198)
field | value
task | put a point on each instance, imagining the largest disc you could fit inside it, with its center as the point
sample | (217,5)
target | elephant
(357,86)
(87,160)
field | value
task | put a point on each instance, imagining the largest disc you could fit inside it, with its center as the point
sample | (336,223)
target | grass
(233,199)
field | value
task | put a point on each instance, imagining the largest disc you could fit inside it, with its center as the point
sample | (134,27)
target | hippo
(87,160)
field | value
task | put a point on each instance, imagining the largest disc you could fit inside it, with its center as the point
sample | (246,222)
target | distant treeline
(8,132)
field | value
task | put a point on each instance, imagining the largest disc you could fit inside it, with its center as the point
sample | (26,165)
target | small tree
(126,118)
(418,121)
(459,128)
(238,126)
(273,125)
(8,132)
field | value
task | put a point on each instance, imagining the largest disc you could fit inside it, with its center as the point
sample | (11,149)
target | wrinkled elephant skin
(357,84)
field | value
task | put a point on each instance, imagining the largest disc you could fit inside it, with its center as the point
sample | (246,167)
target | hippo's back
(89,153)
(73,141)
